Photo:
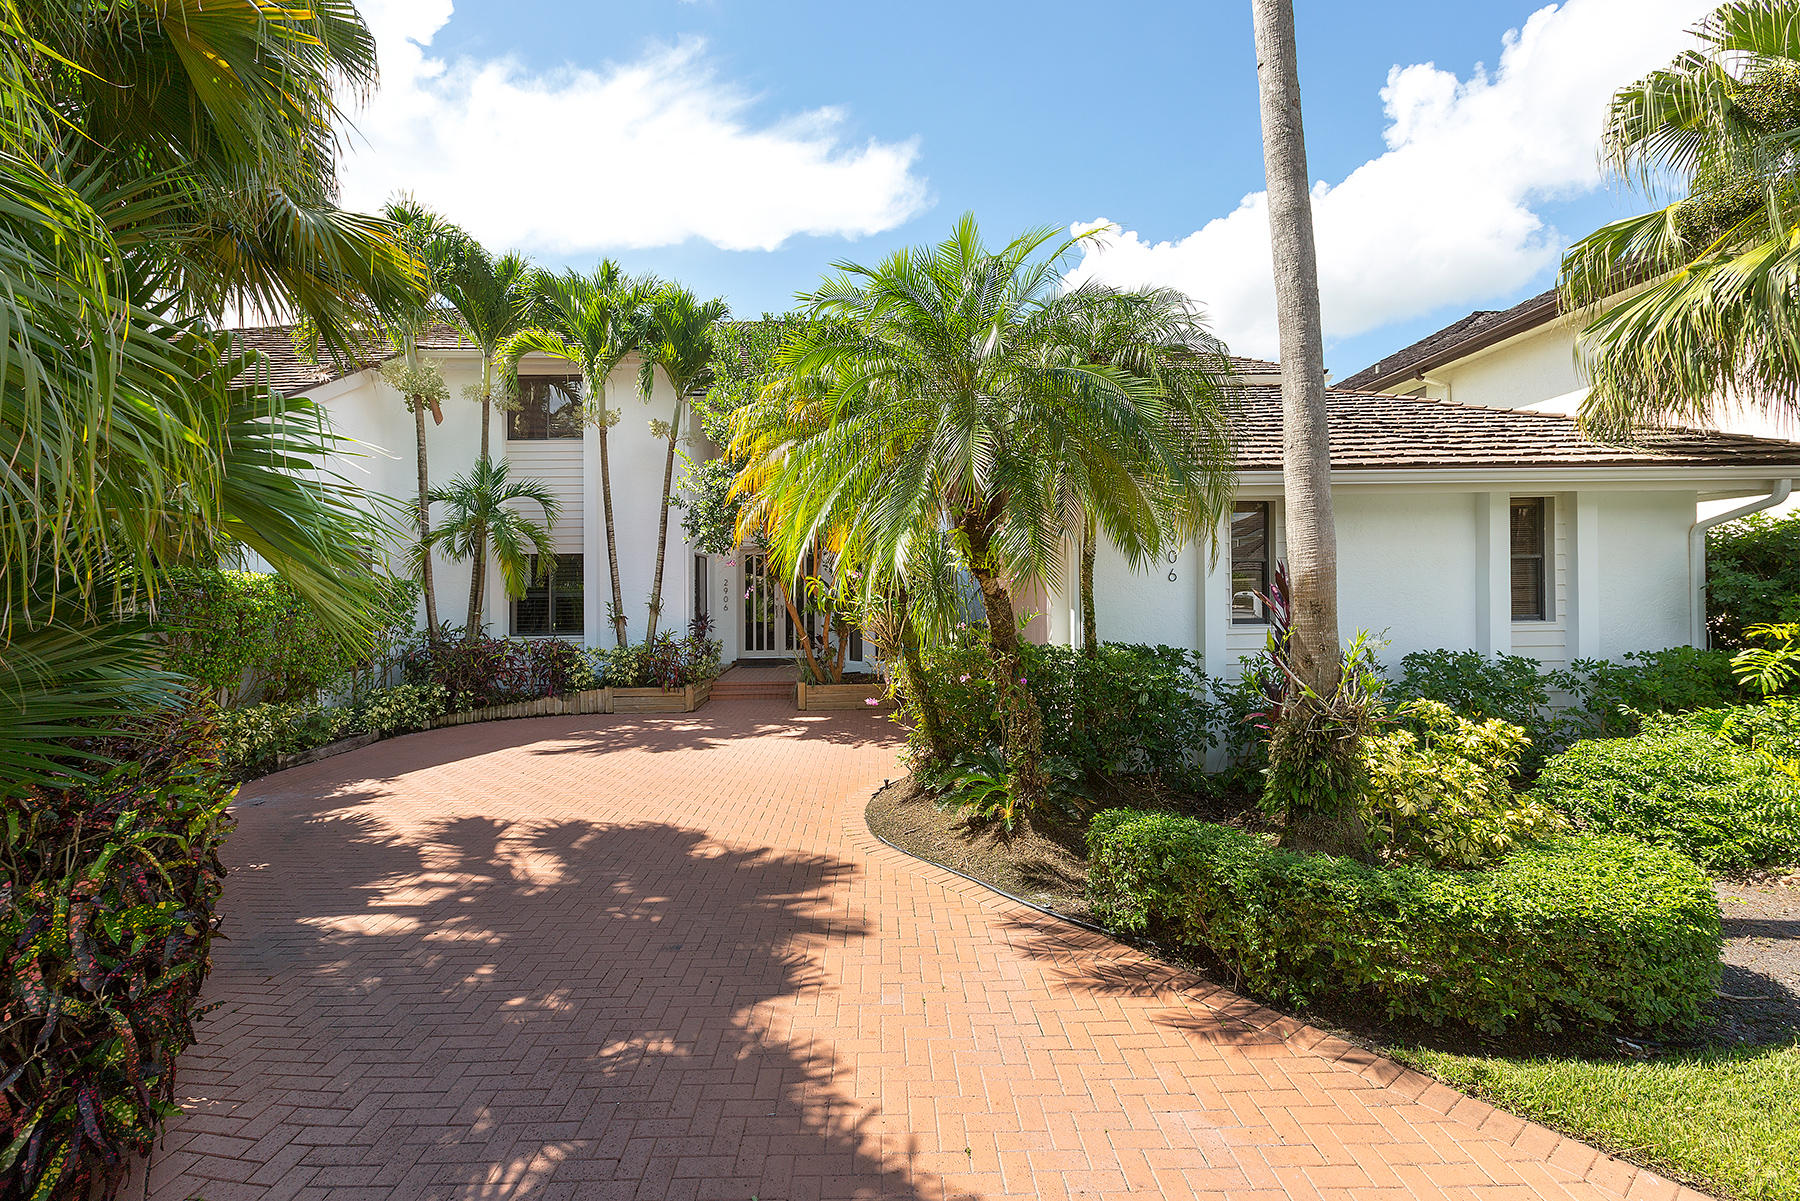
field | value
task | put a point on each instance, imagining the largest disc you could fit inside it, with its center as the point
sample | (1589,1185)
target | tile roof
(1479,329)
(1371,430)
(285,371)
(1368,429)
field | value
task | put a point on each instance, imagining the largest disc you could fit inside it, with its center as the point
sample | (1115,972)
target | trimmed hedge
(1680,785)
(1586,930)
(251,739)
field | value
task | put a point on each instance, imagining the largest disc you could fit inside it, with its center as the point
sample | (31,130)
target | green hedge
(1128,710)
(249,635)
(1586,930)
(1752,575)
(1680,785)
(251,738)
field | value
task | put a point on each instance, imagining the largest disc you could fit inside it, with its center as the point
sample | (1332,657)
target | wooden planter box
(655,700)
(592,701)
(820,697)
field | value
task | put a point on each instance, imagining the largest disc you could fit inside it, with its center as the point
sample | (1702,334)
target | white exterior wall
(364,408)
(1428,566)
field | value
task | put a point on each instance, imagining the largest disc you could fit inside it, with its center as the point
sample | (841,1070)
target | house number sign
(1173,555)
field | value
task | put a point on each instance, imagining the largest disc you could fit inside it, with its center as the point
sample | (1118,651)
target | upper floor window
(548,406)
(552,604)
(1249,561)
(1530,575)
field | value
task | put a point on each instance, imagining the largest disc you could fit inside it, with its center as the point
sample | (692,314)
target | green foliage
(667,662)
(247,634)
(1128,711)
(107,895)
(1440,790)
(1680,786)
(1772,664)
(1611,695)
(251,739)
(1511,688)
(978,783)
(1317,767)
(1591,931)
(1752,575)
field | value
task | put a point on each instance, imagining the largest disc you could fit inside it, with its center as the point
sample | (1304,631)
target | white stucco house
(1460,525)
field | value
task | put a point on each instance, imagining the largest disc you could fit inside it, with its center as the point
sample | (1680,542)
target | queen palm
(592,321)
(1158,334)
(940,391)
(1713,320)
(678,339)
(488,298)
(481,505)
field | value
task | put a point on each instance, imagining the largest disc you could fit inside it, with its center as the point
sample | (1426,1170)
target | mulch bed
(1045,863)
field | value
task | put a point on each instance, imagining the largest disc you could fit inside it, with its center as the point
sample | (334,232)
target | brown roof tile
(1371,430)
(285,371)
(1481,328)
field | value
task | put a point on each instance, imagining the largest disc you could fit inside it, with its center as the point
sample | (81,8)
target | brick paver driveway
(663,957)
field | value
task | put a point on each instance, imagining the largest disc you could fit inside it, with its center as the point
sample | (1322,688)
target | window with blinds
(1530,560)
(552,604)
(1249,561)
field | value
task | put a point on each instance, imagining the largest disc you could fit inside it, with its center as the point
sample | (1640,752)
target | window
(702,600)
(549,406)
(1530,580)
(1249,561)
(552,604)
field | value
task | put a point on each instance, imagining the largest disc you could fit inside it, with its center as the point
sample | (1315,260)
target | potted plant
(824,684)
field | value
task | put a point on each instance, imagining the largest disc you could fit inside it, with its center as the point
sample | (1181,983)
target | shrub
(1722,804)
(244,634)
(1126,711)
(1586,930)
(479,672)
(251,739)
(107,895)
(1752,575)
(666,663)
(1440,790)
(1514,689)
(1613,694)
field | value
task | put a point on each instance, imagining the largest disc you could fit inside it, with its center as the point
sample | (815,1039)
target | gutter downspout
(1697,634)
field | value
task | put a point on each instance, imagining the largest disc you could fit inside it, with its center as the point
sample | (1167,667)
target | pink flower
(1021,681)
(963,678)
(871,701)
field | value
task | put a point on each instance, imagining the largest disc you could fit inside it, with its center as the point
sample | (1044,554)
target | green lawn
(1728,1121)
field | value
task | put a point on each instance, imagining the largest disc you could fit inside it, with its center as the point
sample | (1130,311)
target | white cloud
(643,153)
(1448,214)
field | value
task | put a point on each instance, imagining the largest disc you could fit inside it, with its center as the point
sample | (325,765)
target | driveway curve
(661,957)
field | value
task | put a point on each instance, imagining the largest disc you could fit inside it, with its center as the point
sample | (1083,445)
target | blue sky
(740,147)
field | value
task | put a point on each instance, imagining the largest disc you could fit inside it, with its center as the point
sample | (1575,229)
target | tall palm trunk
(1021,725)
(1090,639)
(478,568)
(424,513)
(612,545)
(1314,646)
(662,528)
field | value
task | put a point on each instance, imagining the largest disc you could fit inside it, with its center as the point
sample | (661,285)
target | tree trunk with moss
(662,527)
(612,544)
(1090,637)
(426,587)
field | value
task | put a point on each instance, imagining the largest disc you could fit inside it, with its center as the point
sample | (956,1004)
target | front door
(769,631)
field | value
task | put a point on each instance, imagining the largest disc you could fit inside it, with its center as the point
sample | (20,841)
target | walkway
(659,957)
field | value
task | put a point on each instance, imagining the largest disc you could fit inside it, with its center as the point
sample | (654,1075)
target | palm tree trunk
(612,545)
(425,582)
(1090,640)
(1314,647)
(799,628)
(915,688)
(1021,724)
(662,526)
(478,569)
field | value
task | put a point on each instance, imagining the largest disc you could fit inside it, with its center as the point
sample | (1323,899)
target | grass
(1726,1120)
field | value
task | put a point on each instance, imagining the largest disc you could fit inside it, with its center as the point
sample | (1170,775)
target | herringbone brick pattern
(661,957)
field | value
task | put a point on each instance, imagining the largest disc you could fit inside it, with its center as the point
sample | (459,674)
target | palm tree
(592,321)
(679,339)
(143,196)
(939,391)
(1311,650)
(1713,321)
(436,244)
(480,505)
(488,297)
(1157,334)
